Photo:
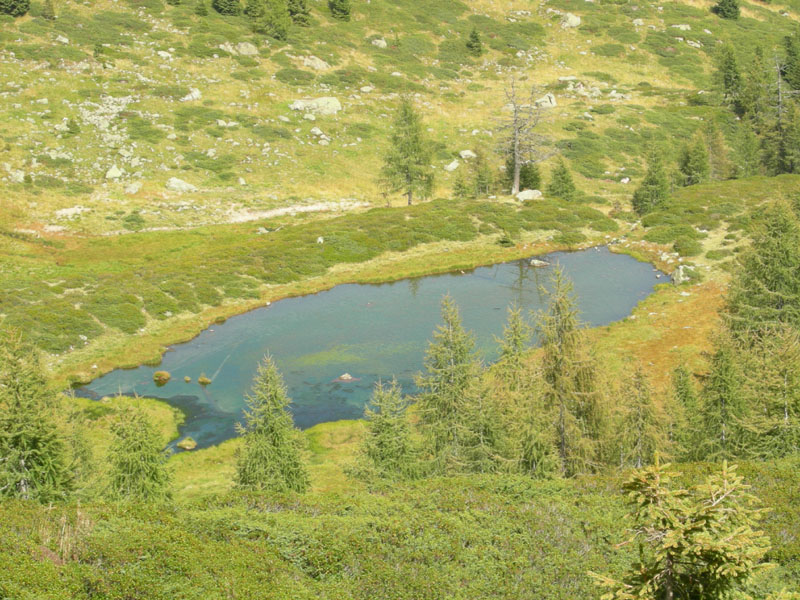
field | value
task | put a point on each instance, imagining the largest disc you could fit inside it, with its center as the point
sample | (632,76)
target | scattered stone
(535,262)
(680,276)
(62,40)
(546,101)
(246,49)
(326,105)
(113,173)
(529,195)
(367,89)
(179,185)
(133,188)
(310,117)
(638,22)
(194,94)
(313,62)
(625,180)
(320,240)
(570,21)
(683,27)
(164,55)
(452,166)
(467,154)
(242,181)
(379,43)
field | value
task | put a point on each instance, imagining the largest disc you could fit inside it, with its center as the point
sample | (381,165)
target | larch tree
(138,460)
(727,9)
(270,458)
(561,183)
(641,429)
(694,164)
(299,12)
(685,415)
(451,372)
(519,131)
(340,9)
(728,76)
(572,394)
(33,456)
(517,334)
(407,164)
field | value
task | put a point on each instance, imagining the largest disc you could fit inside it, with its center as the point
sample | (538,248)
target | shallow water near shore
(371,331)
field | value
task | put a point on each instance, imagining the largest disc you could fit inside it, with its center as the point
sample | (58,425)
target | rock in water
(535,262)
(187,443)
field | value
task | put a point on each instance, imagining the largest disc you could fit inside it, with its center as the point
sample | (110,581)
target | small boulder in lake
(187,379)
(203,380)
(161,377)
(187,443)
(346,378)
(535,262)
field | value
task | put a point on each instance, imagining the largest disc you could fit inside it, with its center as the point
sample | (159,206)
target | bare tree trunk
(517,166)
(409,194)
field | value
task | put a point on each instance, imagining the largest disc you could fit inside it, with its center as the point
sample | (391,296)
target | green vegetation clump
(14,8)
(161,377)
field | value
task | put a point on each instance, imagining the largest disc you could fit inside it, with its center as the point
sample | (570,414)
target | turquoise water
(370,331)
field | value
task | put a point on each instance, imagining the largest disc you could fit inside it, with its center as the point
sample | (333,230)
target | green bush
(293,76)
(686,246)
(226,7)
(15,8)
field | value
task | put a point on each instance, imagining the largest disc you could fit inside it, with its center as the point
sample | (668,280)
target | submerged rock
(535,262)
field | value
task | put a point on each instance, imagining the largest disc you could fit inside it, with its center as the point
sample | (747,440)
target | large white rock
(568,21)
(379,43)
(62,40)
(327,105)
(529,195)
(467,154)
(133,188)
(113,172)
(452,166)
(179,185)
(367,89)
(312,62)
(246,49)
(683,27)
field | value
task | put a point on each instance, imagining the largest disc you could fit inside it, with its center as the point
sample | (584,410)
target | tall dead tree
(520,139)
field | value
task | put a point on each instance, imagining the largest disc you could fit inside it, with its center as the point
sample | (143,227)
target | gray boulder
(529,195)
(327,105)
(246,49)
(570,21)
(179,185)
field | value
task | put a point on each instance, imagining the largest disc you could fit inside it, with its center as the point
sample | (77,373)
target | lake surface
(370,331)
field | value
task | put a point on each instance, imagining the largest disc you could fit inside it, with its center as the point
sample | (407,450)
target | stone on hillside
(452,166)
(246,49)
(242,181)
(569,21)
(179,185)
(546,101)
(326,105)
(133,188)
(113,172)
(62,40)
(680,275)
(16,176)
(529,195)
(228,47)
(194,94)
(312,62)
(379,43)
(683,27)
(309,117)
(164,55)
(316,131)
(467,154)
(367,89)
(638,22)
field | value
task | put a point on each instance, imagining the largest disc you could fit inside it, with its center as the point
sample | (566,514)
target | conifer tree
(723,405)
(461,189)
(226,7)
(299,12)
(517,335)
(474,44)
(48,10)
(572,392)
(482,177)
(729,76)
(641,428)
(138,460)
(201,8)
(718,161)
(269,459)
(561,185)
(755,89)
(654,189)
(686,413)
(387,450)
(727,9)
(451,371)
(255,10)
(746,151)
(15,8)
(764,294)
(697,543)
(407,165)
(271,18)
(792,65)
(33,457)
(529,176)
(693,163)
(340,9)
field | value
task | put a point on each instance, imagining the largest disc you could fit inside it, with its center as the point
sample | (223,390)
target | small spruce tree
(226,7)
(654,189)
(272,19)
(48,10)
(269,459)
(340,9)
(561,185)
(201,8)
(138,460)
(299,12)
(727,9)
(474,44)
(693,163)
(15,8)
(387,450)
(642,434)
(517,334)
(529,176)
(461,189)
(33,455)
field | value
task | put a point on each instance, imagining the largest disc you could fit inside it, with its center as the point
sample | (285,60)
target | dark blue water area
(371,331)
